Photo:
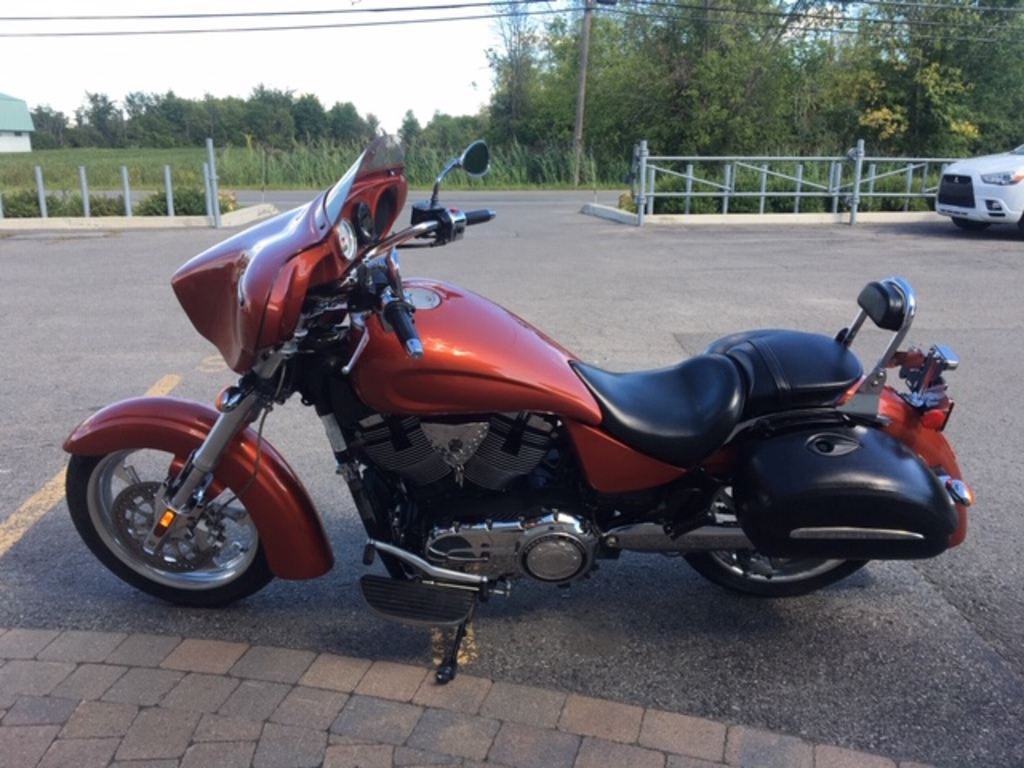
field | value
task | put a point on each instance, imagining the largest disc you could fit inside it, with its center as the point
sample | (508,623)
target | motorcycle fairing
(267,270)
(478,358)
(289,527)
(226,290)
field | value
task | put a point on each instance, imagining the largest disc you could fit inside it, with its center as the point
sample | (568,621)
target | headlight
(1003,179)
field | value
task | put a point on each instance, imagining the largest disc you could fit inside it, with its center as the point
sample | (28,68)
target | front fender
(289,526)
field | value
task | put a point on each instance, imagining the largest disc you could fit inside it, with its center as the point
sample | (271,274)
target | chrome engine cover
(489,454)
(555,548)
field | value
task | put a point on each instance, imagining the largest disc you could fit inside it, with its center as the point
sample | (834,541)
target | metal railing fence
(209,175)
(718,184)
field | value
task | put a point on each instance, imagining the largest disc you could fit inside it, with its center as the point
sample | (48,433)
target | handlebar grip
(481,216)
(399,316)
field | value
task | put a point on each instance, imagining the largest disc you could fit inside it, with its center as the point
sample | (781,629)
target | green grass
(304,167)
(103,168)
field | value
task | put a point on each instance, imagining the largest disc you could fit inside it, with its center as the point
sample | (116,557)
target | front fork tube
(376,521)
(184,495)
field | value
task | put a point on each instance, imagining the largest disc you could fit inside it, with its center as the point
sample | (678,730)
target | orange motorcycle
(478,451)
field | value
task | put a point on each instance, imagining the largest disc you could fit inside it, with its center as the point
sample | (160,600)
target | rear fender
(289,526)
(904,423)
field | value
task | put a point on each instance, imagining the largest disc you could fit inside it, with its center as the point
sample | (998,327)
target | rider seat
(678,415)
(789,370)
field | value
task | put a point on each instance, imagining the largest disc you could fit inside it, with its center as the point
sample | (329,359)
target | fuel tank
(477,358)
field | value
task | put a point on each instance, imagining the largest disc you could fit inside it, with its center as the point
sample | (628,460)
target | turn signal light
(935,420)
(228,399)
(165,522)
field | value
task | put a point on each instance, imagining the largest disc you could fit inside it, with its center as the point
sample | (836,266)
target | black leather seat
(786,370)
(678,415)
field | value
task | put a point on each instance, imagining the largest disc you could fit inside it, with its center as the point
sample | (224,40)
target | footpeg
(418,603)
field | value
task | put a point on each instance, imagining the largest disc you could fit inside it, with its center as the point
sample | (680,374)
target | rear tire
(112,500)
(969,225)
(751,573)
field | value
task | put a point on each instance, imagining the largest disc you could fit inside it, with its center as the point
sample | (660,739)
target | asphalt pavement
(917,662)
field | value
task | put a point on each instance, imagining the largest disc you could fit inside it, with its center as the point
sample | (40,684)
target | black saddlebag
(849,493)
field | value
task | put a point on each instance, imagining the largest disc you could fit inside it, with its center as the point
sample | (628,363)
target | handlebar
(481,216)
(443,224)
(398,313)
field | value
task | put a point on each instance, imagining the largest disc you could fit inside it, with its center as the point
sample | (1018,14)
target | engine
(556,548)
(520,533)
(489,454)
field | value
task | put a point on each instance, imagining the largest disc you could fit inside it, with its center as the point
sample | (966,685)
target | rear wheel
(113,501)
(969,225)
(749,572)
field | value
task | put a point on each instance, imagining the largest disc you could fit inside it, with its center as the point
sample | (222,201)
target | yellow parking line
(164,386)
(41,502)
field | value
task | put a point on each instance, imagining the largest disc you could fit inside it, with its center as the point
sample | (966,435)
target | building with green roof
(15,125)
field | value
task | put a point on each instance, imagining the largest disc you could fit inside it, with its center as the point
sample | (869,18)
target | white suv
(983,191)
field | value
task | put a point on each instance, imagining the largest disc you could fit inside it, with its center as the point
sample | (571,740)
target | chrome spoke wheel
(750,564)
(752,573)
(115,502)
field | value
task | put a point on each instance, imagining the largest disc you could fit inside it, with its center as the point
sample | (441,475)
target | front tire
(216,561)
(751,573)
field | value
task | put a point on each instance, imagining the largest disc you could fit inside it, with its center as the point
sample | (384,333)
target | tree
(51,128)
(345,125)
(514,70)
(451,134)
(311,123)
(269,117)
(410,130)
(99,122)
(223,120)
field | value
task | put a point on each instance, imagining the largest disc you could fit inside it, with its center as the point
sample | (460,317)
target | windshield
(384,152)
(1018,151)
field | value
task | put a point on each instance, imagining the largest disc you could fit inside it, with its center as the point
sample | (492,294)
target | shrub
(21,204)
(188,201)
(24,204)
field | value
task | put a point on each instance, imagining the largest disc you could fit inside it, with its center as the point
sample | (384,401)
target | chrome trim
(958,490)
(868,395)
(441,574)
(358,321)
(837,533)
(651,537)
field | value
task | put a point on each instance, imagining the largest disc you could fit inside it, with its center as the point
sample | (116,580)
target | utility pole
(581,92)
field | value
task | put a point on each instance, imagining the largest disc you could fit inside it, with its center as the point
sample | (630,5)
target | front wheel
(213,561)
(752,573)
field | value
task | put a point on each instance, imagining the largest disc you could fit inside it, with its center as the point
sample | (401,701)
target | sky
(383,69)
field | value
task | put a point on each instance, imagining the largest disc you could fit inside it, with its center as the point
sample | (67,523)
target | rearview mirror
(476,159)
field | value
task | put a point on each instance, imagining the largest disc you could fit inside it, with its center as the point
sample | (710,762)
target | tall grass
(302,167)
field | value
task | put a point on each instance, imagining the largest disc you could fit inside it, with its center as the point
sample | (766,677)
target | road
(922,661)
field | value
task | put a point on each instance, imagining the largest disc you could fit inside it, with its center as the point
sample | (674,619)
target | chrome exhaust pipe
(651,537)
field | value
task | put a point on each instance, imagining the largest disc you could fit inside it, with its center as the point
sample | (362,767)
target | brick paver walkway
(83,699)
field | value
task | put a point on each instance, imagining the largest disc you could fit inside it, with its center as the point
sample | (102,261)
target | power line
(720,16)
(274,28)
(258,14)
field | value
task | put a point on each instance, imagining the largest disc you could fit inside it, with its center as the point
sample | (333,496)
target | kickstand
(450,664)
